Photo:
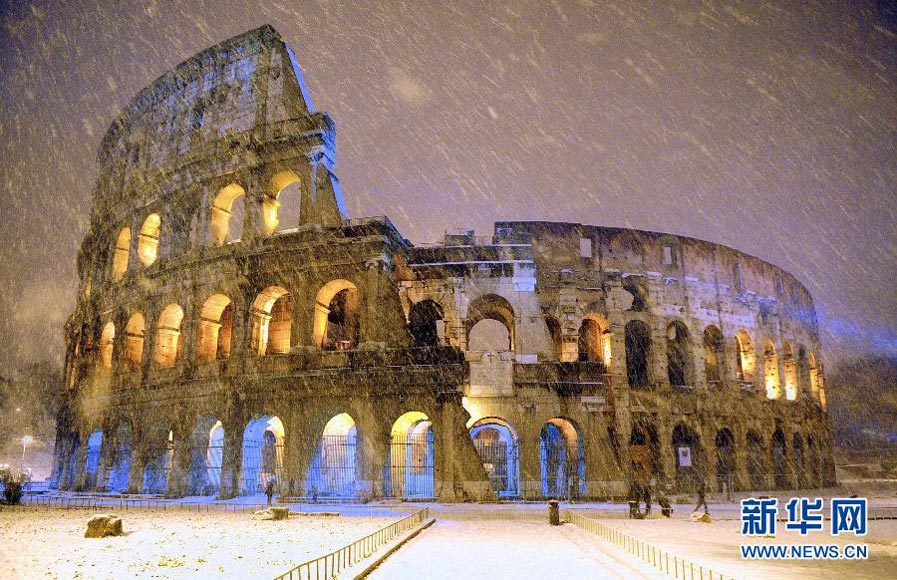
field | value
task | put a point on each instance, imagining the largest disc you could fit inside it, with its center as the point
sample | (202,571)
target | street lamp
(26,439)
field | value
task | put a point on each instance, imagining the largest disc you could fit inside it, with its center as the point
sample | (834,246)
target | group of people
(642,491)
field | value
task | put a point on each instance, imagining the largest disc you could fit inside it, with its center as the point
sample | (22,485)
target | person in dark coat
(269,490)
(702,495)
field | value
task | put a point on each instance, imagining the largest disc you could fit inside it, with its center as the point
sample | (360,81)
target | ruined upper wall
(234,89)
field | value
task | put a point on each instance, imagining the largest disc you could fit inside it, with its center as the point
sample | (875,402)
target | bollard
(554,515)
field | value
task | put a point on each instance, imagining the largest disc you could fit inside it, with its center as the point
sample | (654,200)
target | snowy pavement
(499,542)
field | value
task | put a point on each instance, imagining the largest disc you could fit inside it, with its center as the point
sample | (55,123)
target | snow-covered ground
(48,543)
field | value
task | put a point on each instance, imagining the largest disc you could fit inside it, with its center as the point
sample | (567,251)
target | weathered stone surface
(103,525)
(272,513)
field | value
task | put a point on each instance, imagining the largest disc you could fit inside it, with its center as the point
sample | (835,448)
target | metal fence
(330,565)
(659,558)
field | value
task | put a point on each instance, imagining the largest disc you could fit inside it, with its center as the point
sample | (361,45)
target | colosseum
(235,327)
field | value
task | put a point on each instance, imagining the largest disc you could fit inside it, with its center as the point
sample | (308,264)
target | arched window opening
(686,447)
(168,337)
(159,454)
(644,453)
(263,445)
(122,254)
(713,354)
(746,359)
(594,340)
(107,341)
(272,321)
(635,297)
(92,465)
(148,240)
(814,376)
(281,209)
(336,319)
(803,372)
(638,344)
(490,324)
(779,460)
(134,335)
(771,371)
(206,453)
(557,337)
(426,324)
(799,460)
(411,460)
(678,355)
(120,465)
(496,443)
(562,456)
(756,465)
(215,329)
(725,459)
(334,468)
(789,367)
(227,215)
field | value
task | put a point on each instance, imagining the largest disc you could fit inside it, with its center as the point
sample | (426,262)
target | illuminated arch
(168,336)
(263,448)
(134,337)
(771,370)
(411,457)
(148,240)
(284,197)
(122,254)
(496,443)
(107,341)
(222,213)
(216,322)
(746,359)
(789,366)
(334,469)
(491,307)
(271,321)
(594,339)
(336,317)
(206,455)
(714,352)
(562,459)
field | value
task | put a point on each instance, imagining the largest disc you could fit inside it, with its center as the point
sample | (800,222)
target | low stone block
(272,513)
(103,525)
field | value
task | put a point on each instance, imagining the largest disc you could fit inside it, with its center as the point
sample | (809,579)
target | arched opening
(815,462)
(216,326)
(168,337)
(557,337)
(644,453)
(281,207)
(686,447)
(745,361)
(799,460)
(107,341)
(562,460)
(134,335)
(94,453)
(779,460)
(227,216)
(120,466)
(490,324)
(426,324)
(272,315)
(121,254)
(725,459)
(159,455)
(263,445)
(206,453)
(410,462)
(713,354)
(789,367)
(635,295)
(638,344)
(336,319)
(333,470)
(771,371)
(148,240)
(803,371)
(678,355)
(756,465)
(594,340)
(496,443)
(813,374)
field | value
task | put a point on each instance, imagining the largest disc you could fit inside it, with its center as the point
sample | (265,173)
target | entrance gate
(332,471)
(411,467)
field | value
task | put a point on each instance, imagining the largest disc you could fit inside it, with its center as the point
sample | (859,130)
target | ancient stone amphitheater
(234,326)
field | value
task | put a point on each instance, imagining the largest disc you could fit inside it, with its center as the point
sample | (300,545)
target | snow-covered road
(498,544)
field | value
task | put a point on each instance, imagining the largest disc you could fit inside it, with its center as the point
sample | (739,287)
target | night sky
(770,127)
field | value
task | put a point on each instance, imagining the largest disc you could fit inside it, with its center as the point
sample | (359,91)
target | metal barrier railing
(659,558)
(329,565)
(126,503)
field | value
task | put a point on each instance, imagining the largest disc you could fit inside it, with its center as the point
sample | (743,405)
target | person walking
(702,496)
(269,490)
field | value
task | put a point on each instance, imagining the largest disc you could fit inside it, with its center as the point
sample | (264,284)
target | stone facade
(214,350)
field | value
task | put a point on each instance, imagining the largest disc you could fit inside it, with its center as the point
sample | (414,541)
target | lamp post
(26,439)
